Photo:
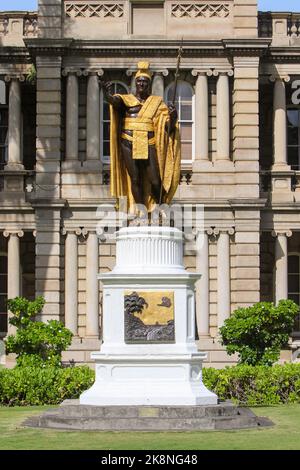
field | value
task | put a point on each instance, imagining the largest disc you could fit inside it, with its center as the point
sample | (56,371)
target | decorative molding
(200,10)
(86,9)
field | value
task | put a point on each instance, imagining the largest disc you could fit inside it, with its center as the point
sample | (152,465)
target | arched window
(3,293)
(184,102)
(3,125)
(294,283)
(293,125)
(118,87)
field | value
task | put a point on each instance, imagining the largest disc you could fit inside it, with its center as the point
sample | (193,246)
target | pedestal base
(148,380)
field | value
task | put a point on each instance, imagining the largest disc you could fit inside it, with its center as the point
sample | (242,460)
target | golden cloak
(167,149)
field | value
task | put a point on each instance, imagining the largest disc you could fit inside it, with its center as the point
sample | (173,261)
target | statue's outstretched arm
(112,99)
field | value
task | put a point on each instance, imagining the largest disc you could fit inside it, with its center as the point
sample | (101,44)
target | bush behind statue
(258,333)
(36,344)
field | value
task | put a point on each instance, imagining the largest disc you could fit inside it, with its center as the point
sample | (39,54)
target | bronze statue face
(143,86)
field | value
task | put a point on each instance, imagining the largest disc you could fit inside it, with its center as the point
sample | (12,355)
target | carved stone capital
(277,232)
(218,73)
(284,78)
(207,72)
(7,233)
(216,231)
(14,76)
(93,71)
(72,71)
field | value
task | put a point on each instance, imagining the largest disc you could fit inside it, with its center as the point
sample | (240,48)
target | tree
(35,343)
(258,333)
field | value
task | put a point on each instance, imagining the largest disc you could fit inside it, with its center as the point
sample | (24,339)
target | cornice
(142,47)
(14,54)
(253,46)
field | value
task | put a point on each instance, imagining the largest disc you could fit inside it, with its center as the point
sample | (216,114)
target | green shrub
(35,343)
(259,385)
(258,333)
(25,386)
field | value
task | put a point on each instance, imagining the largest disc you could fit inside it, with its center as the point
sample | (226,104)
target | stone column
(93,117)
(201,116)
(158,87)
(223,117)
(72,115)
(71,282)
(13,269)
(202,286)
(223,276)
(92,289)
(281,264)
(14,123)
(279,123)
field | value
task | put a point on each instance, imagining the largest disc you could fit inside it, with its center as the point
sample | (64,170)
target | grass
(284,435)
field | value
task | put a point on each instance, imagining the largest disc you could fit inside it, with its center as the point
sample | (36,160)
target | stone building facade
(239,111)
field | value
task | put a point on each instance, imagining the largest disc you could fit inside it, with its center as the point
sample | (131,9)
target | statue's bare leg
(133,171)
(153,173)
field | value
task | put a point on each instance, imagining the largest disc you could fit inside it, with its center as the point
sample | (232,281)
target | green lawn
(285,435)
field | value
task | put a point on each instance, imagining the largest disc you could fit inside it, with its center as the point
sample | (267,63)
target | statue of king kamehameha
(144,144)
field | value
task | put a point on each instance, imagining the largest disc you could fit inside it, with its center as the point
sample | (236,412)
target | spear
(180,50)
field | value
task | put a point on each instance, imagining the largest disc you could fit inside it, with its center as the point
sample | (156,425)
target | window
(294,284)
(184,102)
(105,121)
(293,124)
(3,293)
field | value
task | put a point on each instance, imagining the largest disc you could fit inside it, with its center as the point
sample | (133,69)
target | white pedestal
(148,259)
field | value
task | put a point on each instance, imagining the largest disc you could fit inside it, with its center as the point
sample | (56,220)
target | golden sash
(141,125)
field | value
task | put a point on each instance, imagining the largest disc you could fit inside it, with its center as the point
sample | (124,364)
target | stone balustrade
(284,28)
(22,23)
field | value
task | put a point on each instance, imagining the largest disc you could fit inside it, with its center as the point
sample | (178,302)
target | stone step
(147,418)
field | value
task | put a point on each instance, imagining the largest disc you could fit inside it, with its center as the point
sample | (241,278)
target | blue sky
(274,5)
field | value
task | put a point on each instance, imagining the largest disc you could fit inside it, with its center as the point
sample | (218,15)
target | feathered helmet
(143,70)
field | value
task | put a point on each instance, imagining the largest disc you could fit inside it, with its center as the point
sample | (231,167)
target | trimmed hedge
(255,385)
(24,386)
(247,385)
